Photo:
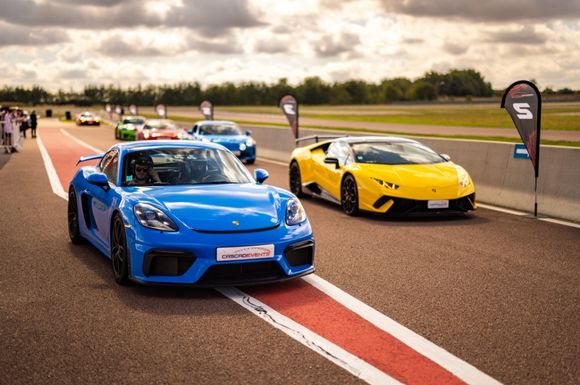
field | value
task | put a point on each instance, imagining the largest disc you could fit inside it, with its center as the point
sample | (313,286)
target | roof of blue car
(155,144)
(204,122)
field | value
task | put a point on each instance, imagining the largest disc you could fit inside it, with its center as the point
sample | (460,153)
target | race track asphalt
(499,291)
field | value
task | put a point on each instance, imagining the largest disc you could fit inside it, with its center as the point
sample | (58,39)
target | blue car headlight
(151,217)
(295,213)
(250,142)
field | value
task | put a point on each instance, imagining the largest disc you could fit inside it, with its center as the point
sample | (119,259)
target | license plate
(441,204)
(237,153)
(244,253)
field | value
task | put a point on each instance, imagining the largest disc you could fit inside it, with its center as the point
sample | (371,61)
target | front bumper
(401,206)
(188,257)
(127,134)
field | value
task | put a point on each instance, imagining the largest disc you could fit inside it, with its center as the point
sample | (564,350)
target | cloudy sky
(71,43)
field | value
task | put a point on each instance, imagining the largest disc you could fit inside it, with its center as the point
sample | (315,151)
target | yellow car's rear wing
(317,137)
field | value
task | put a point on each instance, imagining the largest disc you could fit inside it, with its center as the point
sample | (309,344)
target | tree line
(313,90)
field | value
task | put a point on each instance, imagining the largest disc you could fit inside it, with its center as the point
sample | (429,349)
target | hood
(216,208)
(415,175)
(226,139)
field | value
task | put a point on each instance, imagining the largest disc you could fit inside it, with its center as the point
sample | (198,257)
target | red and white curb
(324,318)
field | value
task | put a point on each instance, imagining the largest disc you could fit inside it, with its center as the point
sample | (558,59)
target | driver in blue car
(143,173)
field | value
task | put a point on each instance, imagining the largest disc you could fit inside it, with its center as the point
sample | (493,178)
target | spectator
(8,127)
(33,124)
(23,120)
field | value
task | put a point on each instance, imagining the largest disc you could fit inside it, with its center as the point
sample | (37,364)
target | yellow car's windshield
(394,153)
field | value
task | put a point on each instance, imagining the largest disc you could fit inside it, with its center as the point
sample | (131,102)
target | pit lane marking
(445,366)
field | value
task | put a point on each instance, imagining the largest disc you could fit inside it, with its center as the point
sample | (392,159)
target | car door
(331,175)
(105,200)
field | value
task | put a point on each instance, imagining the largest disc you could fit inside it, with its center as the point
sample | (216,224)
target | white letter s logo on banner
(523,110)
(289,109)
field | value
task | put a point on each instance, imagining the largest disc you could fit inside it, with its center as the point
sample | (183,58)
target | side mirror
(248,132)
(261,175)
(446,157)
(99,179)
(331,160)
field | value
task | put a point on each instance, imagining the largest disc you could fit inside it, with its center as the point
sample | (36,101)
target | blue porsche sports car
(188,213)
(229,135)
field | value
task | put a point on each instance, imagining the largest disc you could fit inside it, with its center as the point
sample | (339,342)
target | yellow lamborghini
(382,175)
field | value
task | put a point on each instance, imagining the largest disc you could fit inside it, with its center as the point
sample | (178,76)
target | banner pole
(536,197)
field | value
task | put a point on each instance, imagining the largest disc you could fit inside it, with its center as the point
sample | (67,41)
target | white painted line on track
(560,222)
(50,170)
(440,356)
(523,214)
(501,209)
(273,161)
(84,144)
(320,345)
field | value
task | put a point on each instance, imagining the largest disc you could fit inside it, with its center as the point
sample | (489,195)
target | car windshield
(220,129)
(160,125)
(133,121)
(183,166)
(394,153)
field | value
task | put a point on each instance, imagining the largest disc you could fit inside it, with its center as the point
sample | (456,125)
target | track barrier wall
(500,179)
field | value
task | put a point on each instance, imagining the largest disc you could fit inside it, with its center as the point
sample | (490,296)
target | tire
(119,252)
(73,218)
(116,134)
(349,195)
(251,161)
(295,180)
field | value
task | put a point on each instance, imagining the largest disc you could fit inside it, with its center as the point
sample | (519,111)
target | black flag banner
(161,111)
(523,102)
(206,109)
(289,106)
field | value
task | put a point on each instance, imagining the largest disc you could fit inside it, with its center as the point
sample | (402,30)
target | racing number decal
(523,110)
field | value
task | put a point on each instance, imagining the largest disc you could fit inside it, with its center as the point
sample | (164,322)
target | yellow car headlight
(464,181)
(388,185)
(463,177)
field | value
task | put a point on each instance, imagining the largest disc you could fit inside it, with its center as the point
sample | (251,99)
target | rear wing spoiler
(317,137)
(89,157)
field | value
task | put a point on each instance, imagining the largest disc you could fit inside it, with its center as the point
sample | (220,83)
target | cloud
(73,74)
(116,46)
(229,45)
(213,17)
(489,10)
(97,3)
(329,46)
(273,46)
(525,35)
(455,49)
(21,36)
(209,17)
(412,40)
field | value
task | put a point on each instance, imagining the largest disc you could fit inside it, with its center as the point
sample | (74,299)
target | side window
(104,161)
(109,166)
(332,150)
(340,151)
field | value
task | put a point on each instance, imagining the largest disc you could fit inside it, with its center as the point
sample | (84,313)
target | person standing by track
(33,124)
(8,129)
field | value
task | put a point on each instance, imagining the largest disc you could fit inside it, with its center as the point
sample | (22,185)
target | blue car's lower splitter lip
(248,282)
(189,257)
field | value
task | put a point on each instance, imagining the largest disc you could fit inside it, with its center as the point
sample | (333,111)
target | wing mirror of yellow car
(445,156)
(331,160)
